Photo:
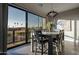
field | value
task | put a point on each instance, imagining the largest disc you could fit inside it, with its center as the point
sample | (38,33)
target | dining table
(50,36)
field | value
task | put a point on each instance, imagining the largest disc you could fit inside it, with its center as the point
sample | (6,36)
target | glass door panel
(16,26)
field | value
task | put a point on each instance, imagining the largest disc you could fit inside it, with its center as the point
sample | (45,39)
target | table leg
(42,47)
(32,44)
(50,46)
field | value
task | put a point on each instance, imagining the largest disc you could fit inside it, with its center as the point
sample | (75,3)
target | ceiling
(43,8)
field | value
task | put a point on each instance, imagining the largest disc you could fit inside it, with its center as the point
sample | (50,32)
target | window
(64,24)
(32,21)
(40,22)
(68,26)
(44,23)
(32,24)
(16,26)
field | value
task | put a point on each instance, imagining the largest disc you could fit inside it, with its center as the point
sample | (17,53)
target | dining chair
(61,41)
(41,42)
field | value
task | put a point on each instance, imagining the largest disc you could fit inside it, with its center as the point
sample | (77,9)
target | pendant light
(52,13)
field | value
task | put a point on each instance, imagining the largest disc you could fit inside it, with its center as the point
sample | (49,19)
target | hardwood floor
(70,48)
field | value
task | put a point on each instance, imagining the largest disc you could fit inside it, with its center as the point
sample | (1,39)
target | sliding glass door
(16,26)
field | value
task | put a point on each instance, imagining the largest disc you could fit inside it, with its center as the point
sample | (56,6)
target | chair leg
(42,49)
(62,47)
(35,48)
(56,50)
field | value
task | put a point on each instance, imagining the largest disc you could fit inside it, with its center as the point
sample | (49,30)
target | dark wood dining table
(51,36)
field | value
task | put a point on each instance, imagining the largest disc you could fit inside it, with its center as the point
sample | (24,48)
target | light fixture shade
(52,14)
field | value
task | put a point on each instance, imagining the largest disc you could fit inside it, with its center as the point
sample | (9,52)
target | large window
(34,22)
(16,26)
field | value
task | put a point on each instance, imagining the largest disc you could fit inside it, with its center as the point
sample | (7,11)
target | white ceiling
(43,8)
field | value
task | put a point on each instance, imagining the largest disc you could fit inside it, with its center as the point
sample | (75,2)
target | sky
(17,18)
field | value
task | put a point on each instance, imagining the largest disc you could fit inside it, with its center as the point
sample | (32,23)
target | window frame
(26,21)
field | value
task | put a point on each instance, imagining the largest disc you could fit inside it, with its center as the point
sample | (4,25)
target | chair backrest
(38,35)
(62,34)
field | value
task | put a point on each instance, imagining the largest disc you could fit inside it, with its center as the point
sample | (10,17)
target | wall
(3,28)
